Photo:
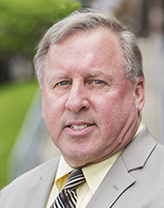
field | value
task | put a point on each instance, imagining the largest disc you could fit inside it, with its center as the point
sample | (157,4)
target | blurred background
(24,140)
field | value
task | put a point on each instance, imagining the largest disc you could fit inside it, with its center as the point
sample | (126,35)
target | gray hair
(88,19)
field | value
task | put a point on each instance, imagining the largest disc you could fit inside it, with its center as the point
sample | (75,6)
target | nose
(77,98)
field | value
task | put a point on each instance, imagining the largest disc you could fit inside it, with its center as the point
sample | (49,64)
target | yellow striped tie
(67,198)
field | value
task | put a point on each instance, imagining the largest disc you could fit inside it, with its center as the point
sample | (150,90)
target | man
(90,72)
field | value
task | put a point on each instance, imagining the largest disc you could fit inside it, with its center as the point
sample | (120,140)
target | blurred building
(144,17)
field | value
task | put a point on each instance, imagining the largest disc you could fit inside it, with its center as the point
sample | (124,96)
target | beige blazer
(136,180)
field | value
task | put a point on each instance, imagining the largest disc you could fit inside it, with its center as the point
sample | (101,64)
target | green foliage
(22,23)
(15,99)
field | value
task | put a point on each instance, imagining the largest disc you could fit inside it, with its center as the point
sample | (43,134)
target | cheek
(52,121)
(107,110)
(116,108)
(50,111)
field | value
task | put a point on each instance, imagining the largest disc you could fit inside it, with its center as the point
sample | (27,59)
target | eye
(98,82)
(63,83)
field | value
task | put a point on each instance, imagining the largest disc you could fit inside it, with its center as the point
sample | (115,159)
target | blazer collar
(118,179)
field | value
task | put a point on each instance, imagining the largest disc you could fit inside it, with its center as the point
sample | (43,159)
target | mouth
(79,127)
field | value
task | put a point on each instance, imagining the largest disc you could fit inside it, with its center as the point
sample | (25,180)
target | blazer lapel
(119,177)
(139,150)
(114,184)
(37,194)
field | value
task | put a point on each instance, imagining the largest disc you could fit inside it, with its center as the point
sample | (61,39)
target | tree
(22,23)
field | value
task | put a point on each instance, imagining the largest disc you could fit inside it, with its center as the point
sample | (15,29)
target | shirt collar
(62,173)
(93,180)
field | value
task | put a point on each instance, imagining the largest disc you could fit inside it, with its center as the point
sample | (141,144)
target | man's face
(90,108)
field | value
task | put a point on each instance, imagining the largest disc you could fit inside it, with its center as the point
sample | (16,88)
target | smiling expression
(89,106)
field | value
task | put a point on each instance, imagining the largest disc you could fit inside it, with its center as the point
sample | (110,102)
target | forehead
(86,48)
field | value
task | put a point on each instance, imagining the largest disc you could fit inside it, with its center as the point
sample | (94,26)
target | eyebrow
(98,73)
(63,75)
(95,73)
(54,77)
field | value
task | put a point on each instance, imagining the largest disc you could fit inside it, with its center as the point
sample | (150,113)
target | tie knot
(75,179)
(68,196)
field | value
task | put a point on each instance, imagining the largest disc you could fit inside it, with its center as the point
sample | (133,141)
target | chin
(75,162)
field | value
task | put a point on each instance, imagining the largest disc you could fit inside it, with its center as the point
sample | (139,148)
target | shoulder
(32,176)
(42,170)
(143,150)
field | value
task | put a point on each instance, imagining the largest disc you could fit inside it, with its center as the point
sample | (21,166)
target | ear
(139,93)
(42,89)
